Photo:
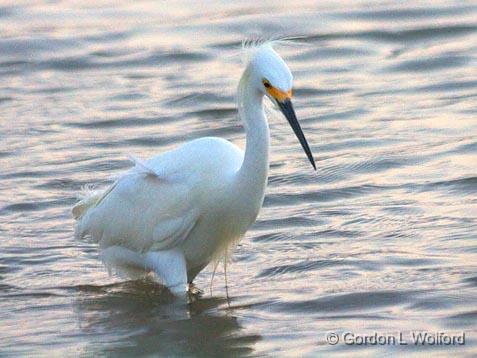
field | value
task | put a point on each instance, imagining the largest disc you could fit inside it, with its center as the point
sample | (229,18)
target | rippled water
(381,238)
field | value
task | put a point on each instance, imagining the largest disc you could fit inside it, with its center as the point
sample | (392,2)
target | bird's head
(272,77)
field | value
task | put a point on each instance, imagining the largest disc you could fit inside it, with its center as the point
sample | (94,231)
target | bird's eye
(266,84)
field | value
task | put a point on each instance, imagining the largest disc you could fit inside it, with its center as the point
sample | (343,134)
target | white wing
(141,166)
(142,211)
(156,204)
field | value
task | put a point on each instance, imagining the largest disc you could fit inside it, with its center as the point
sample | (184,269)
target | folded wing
(144,210)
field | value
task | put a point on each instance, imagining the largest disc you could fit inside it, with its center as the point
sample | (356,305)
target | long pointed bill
(287,109)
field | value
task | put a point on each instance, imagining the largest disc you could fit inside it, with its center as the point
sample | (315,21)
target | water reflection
(141,317)
(380,237)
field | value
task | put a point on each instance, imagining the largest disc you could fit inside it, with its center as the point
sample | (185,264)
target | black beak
(287,109)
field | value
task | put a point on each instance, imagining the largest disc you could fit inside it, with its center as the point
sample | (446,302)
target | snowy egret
(178,211)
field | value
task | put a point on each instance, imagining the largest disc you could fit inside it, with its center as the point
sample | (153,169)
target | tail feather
(90,198)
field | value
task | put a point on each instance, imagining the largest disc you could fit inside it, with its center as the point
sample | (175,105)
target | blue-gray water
(381,238)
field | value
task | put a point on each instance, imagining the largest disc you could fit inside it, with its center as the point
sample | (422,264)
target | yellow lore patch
(279,95)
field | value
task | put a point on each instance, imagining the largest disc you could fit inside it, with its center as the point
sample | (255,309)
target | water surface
(381,238)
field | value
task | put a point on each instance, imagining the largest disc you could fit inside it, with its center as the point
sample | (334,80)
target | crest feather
(251,44)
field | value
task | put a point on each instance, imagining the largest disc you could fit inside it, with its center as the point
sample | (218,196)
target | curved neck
(253,173)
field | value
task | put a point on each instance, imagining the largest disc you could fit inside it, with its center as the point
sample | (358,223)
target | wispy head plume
(252,43)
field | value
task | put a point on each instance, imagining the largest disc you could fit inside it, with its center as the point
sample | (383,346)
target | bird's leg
(126,262)
(171,267)
(193,290)
(226,283)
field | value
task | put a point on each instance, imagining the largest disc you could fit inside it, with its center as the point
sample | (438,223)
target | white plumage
(176,212)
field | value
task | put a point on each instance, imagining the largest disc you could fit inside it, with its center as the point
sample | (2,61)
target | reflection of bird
(178,211)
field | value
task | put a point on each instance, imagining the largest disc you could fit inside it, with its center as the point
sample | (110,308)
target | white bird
(178,211)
